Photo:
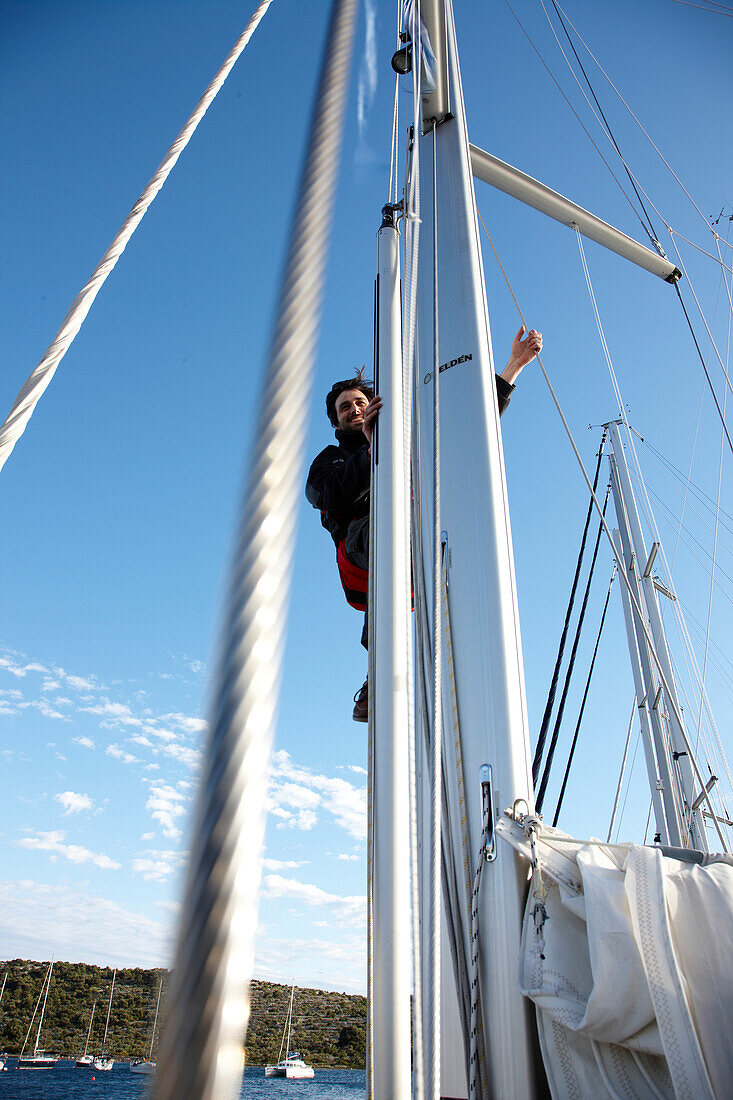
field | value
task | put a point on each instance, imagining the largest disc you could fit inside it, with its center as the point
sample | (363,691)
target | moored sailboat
(39,1059)
(102,1061)
(292,1065)
(85,1059)
(147,1065)
(3,1057)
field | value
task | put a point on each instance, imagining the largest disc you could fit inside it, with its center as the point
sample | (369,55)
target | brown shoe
(361,704)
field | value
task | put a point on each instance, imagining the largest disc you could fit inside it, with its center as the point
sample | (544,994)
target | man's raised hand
(371,412)
(523,351)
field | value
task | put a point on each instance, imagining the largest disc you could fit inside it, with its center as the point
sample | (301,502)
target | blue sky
(119,501)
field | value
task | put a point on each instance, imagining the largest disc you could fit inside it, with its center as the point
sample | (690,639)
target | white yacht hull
(142,1067)
(41,1061)
(298,1073)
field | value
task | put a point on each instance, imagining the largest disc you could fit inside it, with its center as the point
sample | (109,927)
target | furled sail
(626,955)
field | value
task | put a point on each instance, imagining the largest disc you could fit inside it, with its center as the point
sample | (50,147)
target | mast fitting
(389,210)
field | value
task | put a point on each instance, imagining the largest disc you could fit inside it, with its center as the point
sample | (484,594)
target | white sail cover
(627,955)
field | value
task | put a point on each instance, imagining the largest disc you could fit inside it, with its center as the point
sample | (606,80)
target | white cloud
(158,866)
(53,842)
(37,920)
(192,758)
(85,742)
(349,857)
(161,732)
(50,712)
(350,910)
(79,683)
(333,963)
(304,820)
(170,906)
(292,794)
(74,803)
(186,722)
(336,796)
(116,713)
(368,71)
(18,670)
(165,807)
(283,864)
(121,754)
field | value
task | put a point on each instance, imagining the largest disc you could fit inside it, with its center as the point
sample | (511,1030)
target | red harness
(353,579)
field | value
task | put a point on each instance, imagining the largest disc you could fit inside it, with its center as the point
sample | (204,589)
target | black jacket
(339,478)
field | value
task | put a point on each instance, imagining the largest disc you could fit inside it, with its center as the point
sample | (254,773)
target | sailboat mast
(89,1030)
(389,649)
(155,1021)
(290,1020)
(642,692)
(43,1009)
(109,1009)
(675,768)
(484,709)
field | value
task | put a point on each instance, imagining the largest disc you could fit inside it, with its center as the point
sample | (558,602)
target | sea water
(65,1082)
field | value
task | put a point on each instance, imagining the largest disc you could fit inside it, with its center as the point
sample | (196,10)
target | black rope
(704,367)
(582,705)
(537,762)
(650,230)
(566,686)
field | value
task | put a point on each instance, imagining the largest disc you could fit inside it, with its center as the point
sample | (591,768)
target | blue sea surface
(65,1082)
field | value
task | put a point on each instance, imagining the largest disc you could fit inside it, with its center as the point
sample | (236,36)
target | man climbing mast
(339,479)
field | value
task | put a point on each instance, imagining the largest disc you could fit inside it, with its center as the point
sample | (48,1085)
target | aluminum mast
(489,703)
(389,1060)
(675,768)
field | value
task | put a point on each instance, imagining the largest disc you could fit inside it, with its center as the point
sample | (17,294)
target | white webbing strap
(37,383)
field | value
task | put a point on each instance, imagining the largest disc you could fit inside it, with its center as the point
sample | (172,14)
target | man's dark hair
(358,382)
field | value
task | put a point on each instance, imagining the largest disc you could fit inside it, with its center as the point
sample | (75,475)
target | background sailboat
(147,1065)
(102,1061)
(85,1059)
(39,1059)
(291,1065)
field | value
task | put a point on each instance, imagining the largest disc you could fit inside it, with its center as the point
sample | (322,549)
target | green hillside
(329,1029)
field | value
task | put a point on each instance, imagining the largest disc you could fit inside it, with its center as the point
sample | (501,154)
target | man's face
(350,407)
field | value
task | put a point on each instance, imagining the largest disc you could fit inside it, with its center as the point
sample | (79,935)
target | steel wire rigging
(546,717)
(571,665)
(643,217)
(638,613)
(574,742)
